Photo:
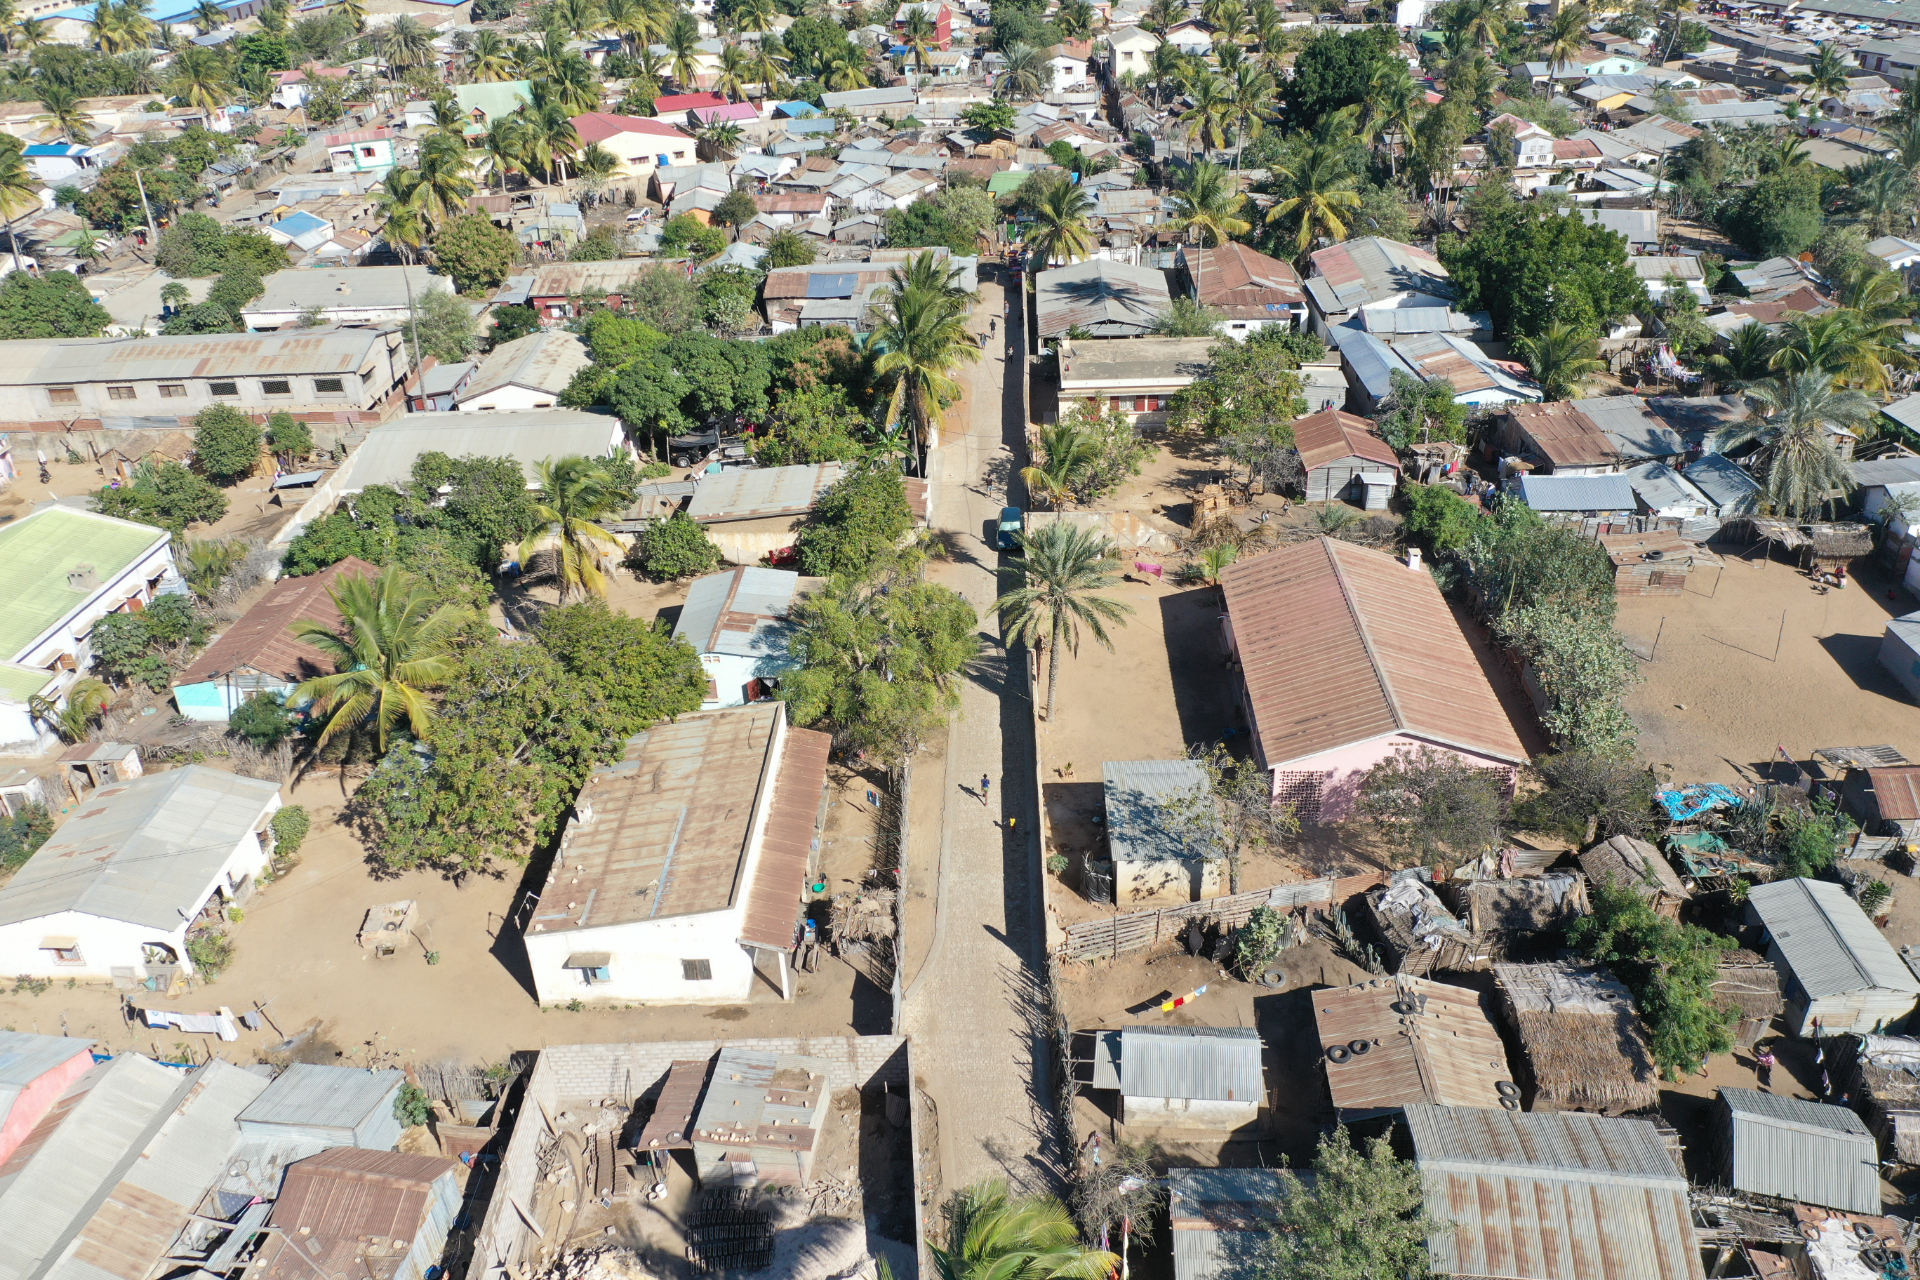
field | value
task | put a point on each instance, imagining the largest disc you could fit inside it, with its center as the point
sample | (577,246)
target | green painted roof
(18,683)
(37,553)
(499,98)
(1001,184)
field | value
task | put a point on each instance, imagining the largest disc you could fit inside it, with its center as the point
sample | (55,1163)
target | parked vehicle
(1012,520)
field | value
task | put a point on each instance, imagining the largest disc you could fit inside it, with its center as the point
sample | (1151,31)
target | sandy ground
(1716,702)
(253,510)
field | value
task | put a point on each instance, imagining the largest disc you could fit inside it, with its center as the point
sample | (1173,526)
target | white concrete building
(351,296)
(682,875)
(527,373)
(1190,1077)
(61,571)
(737,622)
(1130,49)
(115,890)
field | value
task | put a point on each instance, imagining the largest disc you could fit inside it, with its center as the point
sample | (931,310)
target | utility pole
(152,233)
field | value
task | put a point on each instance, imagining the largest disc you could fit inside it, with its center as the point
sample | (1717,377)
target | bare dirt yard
(1758,660)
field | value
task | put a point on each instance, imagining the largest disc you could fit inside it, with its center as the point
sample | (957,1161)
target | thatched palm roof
(1625,862)
(1585,1045)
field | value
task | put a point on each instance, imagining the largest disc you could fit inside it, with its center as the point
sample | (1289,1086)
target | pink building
(34,1072)
(1347,655)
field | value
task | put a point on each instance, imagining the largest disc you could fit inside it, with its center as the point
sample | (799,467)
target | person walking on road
(986,785)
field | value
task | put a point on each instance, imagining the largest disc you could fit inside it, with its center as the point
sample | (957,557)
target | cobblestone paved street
(970,1006)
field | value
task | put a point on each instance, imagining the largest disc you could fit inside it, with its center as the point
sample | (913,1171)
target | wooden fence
(1106,939)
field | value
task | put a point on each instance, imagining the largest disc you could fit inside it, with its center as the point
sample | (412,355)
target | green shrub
(1874,895)
(1671,969)
(262,720)
(1260,941)
(290,826)
(672,549)
(411,1106)
(226,443)
(211,952)
(23,833)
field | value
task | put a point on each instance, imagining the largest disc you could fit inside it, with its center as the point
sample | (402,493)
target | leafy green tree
(1529,266)
(684,235)
(638,672)
(880,653)
(263,51)
(1433,805)
(237,286)
(1516,559)
(55,305)
(1249,387)
(123,652)
(1420,412)
(989,117)
(262,720)
(226,443)
(1585,673)
(193,246)
(1439,516)
(1333,70)
(1671,969)
(289,436)
(394,644)
(787,249)
(1054,592)
(674,549)
(206,317)
(167,495)
(736,209)
(991,1234)
(444,327)
(1233,808)
(1778,216)
(510,323)
(859,520)
(22,833)
(474,252)
(1582,791)
(1362,1217)
(815,424)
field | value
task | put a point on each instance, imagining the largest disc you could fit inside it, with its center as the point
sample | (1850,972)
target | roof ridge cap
(1360,625)
(1820,908)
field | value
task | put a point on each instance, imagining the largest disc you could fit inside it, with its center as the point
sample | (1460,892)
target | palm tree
(1075,19)
(86,699)
(356,11)
(1882,191)
(30,33)
(1393,108)
(1561,357)
(1748,358)
(1027,73)
(395,642)
(1794,415)
(920,341)
(1826,74)
(1207,202)
(918,37)
(573,83)
(596,166)
(209,17)
(736,72)
(1162,14)
(574,492)
(201,79)
(404,43)
(448,119)
(1254,94)
(551,138)
(756,15)
(1060,232)
(1062,568)
(770,64)
(580,17)
(504,145)
(1320,196)
(445,183)
(398,208)
(1564,35)
(683,41)
(1211,112)
(120,26)
(844,74)
(62,110)
(19,190)
(1066,453)
(722,138)
(629,20)
(1167,70)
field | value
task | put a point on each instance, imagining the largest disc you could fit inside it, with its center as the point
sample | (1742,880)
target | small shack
(1417,932)
(1221,1219)
(1835,546)
(1164,842)
(363,1213)
(1889,804)
(1838,969)
(1506,913)
(327,1107)
(1394,1041)
(1655,563)
(1584,1048)
(1772,1144)
(1624,862)
(761,1119)
(1345,460)
(1201,1077)
(1751,984)
(1882,1073)
(1900,651)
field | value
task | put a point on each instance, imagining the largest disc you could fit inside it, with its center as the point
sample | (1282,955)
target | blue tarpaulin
(1691,802)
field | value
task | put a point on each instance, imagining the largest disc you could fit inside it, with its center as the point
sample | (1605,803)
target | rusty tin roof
(262,640)
(1426,1042)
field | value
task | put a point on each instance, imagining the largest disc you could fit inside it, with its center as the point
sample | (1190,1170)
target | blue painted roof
(162,11)
(817,124)
(797,109)
(299,224)
(56,149)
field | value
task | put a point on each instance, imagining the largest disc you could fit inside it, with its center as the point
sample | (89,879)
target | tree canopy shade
(691,379)
(993,1236)
(1435,805)
(1529,265)
(1363,1217)
(226,443)
(1671,969)
(859,520)
(164,494)
(1333,70)
(1778,216)
(1053,593)
(474,252)
(55,305)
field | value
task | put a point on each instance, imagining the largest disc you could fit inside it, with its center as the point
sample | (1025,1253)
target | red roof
(1575,149)
(1342,645)
(726,111)
(361,135)
(1331,435)
(263,638)
(686,102)
(598,126)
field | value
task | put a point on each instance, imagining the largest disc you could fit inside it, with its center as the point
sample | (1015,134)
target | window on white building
(696,970)
(63,950)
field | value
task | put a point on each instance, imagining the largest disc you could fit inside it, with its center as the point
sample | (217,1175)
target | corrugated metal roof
(350,1211)
(1577,493)
(1896,791)
(1360,272)
(668,825)
(349,289)
(1562,434)
(263,639)
(1660,486)
(1883,471)
(1801,1150)
(310,1096)
(1631,426)
(764,1108)
(1826,939)
(1330,435)
(80,1148)
(528,437)
(1426,1042)
(1212,1064)
(143,851)
(1373,362)
(25,1057)
(1221,1219)
(544,361)
(773,912)
(39,551)
(670,1127)
(755,493)
(1234,278)
(1724,482)
(1552,1196)
(1138,796)
(741,611)
(1340,644)
(1101,295)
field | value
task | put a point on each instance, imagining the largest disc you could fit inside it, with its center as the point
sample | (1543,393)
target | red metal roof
(1340,645)
(1564,435)
(263,638)
(1330,435)
(726,111)
(1896,793)
(598,126)
(686,102)
(360,135)
(1243,282)
(779,878)
(340,1209)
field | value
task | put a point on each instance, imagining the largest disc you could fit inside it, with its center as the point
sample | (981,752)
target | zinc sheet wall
(1837,1170)
(443,1202)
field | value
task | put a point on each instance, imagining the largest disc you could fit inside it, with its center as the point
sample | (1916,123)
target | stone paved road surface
(969,1008)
